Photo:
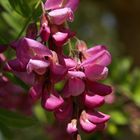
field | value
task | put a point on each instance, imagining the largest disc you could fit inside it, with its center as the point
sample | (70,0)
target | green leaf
(40,113)
(6,131)
(23,7)
(59,86)
(136,94)
(118,117)
(120,69)
(13,119)
(112,128)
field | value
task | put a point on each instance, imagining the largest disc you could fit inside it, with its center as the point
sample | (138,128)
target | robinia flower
(61,10)
(76,103)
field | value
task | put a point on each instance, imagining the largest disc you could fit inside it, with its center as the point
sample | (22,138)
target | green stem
(69,41)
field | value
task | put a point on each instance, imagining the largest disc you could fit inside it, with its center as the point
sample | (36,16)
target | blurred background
(114,23)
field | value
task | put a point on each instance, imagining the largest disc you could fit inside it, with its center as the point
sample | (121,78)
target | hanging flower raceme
(76,103)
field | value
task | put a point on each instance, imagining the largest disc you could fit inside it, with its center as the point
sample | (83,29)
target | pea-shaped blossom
(61,10)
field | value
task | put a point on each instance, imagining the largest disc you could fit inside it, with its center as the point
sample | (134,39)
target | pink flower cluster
(81,94)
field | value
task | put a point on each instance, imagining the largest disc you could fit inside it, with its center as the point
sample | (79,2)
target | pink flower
(93,121)
(29,53)
(51,101)
(61,10)
(92,100)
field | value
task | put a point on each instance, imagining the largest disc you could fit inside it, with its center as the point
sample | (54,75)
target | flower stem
(69,41)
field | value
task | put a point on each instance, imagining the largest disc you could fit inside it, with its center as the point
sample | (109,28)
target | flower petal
(77,74)
(68,62)
(73,87)
(17,65)
(98,88)
(97,55)
(97,117)
(52,101)
(39,66)
(27,48)
(95,72)
(60,38)
(93,100)
(73,4)
(59,16)
(53,4)
(58,72)
(65,111)
(72,126)
(45,32)
(85,124)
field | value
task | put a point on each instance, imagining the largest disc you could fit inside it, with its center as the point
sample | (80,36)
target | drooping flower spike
(75,104)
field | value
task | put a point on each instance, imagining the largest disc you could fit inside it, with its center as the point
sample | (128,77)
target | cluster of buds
(40,55)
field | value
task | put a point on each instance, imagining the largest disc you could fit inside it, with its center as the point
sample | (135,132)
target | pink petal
(25,77)
(2,58)
(95,72)
(45,32)
(77,74)
(53,4)
(97,55)
(60,38)
(65,111)
(73,87)
(39,66)
(69,63)
(52,101)
(85,124)
(59,16)
(58,72)
(98,88)
(93,100)
(72,126)
(96,49)
(28,48)
(17,65)
(97,117)
(56,4)
(73,4)
(110,99)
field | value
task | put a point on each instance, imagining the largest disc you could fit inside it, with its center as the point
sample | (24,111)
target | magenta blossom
(61,10)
